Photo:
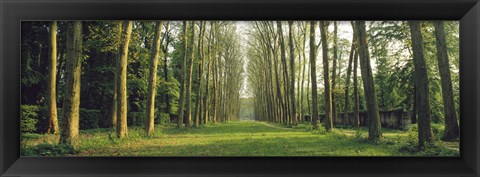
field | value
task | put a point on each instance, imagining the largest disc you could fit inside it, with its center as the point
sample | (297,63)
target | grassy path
(242,138)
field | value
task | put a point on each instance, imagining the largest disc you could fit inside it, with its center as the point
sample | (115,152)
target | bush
(321,129)
(28,118)
(89,118)
(162,118)
(46,149)
(136,118)
(437,131)
(35,118)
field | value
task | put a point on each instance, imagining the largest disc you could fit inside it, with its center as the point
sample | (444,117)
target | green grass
(243,138)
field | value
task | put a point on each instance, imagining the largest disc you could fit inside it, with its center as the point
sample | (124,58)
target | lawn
(243,138)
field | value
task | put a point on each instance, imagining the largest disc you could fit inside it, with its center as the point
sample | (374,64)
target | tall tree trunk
(198,103)
(356,111)
(347,83)
(181,101)
(292,74)
(188,105)
(165,66)
(206,101)
(374,129)
(152,80)
(285,73)
(421,78)
(113,114)
(122,103)
(52,84)
(313,74)
(326,78)
(334,73)
(414,109)
(303,73)
(452,131)
(71,104)
(215,81)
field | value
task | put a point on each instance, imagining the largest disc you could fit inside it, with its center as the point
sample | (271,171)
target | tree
(313,73)
(356,113)
(188,122)
(451,125)
(326,78)
(374,127)
(152,80)
(71,104)
(164,47)
(181,101)
(52,94)
(122,129)
(334,73)
(292,73)
(113,114)
(421,84)
(198,100)
(347,83)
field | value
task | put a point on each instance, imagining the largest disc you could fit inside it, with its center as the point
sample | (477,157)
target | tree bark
(181,101)
(356,110)
(326,78)
(313,74)
(374,130)
(292,74)
(71,104)
(188,122)
(113,114)
(198,102)
(152,80)
(122,129)
(334,73)
(452,131)
(421,78)
(52,85)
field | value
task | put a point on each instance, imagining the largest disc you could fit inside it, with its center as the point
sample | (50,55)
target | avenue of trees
(410,66)
(191,73)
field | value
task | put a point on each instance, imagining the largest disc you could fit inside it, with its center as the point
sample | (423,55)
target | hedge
(35,118)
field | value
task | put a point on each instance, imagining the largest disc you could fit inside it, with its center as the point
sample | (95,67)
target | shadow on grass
(238,127)
(304,145)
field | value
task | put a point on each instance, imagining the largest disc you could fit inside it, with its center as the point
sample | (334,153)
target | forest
(240,88)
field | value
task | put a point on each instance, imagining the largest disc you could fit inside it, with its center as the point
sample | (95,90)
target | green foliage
(162,118)
(89,119)
(28,118)
(46,149)
(35,118)
(136,118)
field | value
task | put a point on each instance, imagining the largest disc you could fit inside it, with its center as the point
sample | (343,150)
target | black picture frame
(14,11)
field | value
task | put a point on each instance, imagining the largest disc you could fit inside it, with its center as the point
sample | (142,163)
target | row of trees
(114,67)
(394,82)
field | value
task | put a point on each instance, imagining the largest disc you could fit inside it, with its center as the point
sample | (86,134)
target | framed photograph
(239,88)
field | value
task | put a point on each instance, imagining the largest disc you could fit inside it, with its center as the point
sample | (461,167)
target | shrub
(89,118)
(45,149)
(437,131)
(162,118)
(321,129)
(136,118)
(28,118)
(35,118)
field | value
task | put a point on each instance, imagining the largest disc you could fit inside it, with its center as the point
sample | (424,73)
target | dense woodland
(117,75)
